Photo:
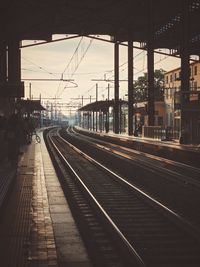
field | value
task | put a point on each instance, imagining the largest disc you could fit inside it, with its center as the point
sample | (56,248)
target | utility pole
(85,98)
(108,115)
(108,91)
(51,113)
(116,91)
(30,91)
(90,118)
(130,87)
(96,91)
(96,101)
(40,112)
(55,112)
(47,113)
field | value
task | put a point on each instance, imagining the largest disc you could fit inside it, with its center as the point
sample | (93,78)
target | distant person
(29,129)
(106,127)
(135,133)
(139,128)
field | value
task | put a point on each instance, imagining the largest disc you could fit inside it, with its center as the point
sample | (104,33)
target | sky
(86,62)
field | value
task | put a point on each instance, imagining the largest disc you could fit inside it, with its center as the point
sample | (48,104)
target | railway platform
(188,154)
(36,224)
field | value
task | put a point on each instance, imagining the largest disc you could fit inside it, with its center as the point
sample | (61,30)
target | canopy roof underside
(123,19)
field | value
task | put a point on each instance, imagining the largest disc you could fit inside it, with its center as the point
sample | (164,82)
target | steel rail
(185,223)
(131,251)
(190,180)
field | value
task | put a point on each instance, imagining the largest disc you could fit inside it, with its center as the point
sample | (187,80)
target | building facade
(172,86)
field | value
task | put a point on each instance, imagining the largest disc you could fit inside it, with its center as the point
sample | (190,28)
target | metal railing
(159,133)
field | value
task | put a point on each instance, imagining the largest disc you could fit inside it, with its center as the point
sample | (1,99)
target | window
(171,119)
(175,76)
(195,70)
(171,92)
(166,92)
(167,119)
(160,121)
(166,79)
(195,85)
(171,78)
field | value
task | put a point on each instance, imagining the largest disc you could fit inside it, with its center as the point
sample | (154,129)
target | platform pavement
(171,143)
(7,177)
(36,225)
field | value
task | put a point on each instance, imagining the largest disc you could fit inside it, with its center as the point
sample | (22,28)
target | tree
(141,86)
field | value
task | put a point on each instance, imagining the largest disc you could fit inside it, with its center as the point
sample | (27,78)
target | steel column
(185,70)
(100,129)
(96,121)
(120,117)
(116,71)
(88,121)
(3,62)
(150,65)
(107,121)
(14,62)
(96,101)
(130,87)
(185,57)
(93,120)
(108,108)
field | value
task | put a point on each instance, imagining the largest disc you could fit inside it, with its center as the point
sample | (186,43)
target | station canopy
(101,105)
(29,105)
(123,19)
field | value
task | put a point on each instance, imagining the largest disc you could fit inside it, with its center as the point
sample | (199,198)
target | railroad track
(183,173)
(174,184)
(145,231)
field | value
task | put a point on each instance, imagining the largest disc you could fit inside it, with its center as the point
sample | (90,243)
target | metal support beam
(107,126)
(150,58)
(96,100)
(116,94)
(14,62)
(130,87)
(103,40)
(185,69)
(100,121)
(107,116)
(93,120)
(96,121)
(185,57)
(88,120)
(150,65)
(3,62)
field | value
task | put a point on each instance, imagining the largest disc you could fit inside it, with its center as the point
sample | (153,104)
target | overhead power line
(39,67)
(76,59)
